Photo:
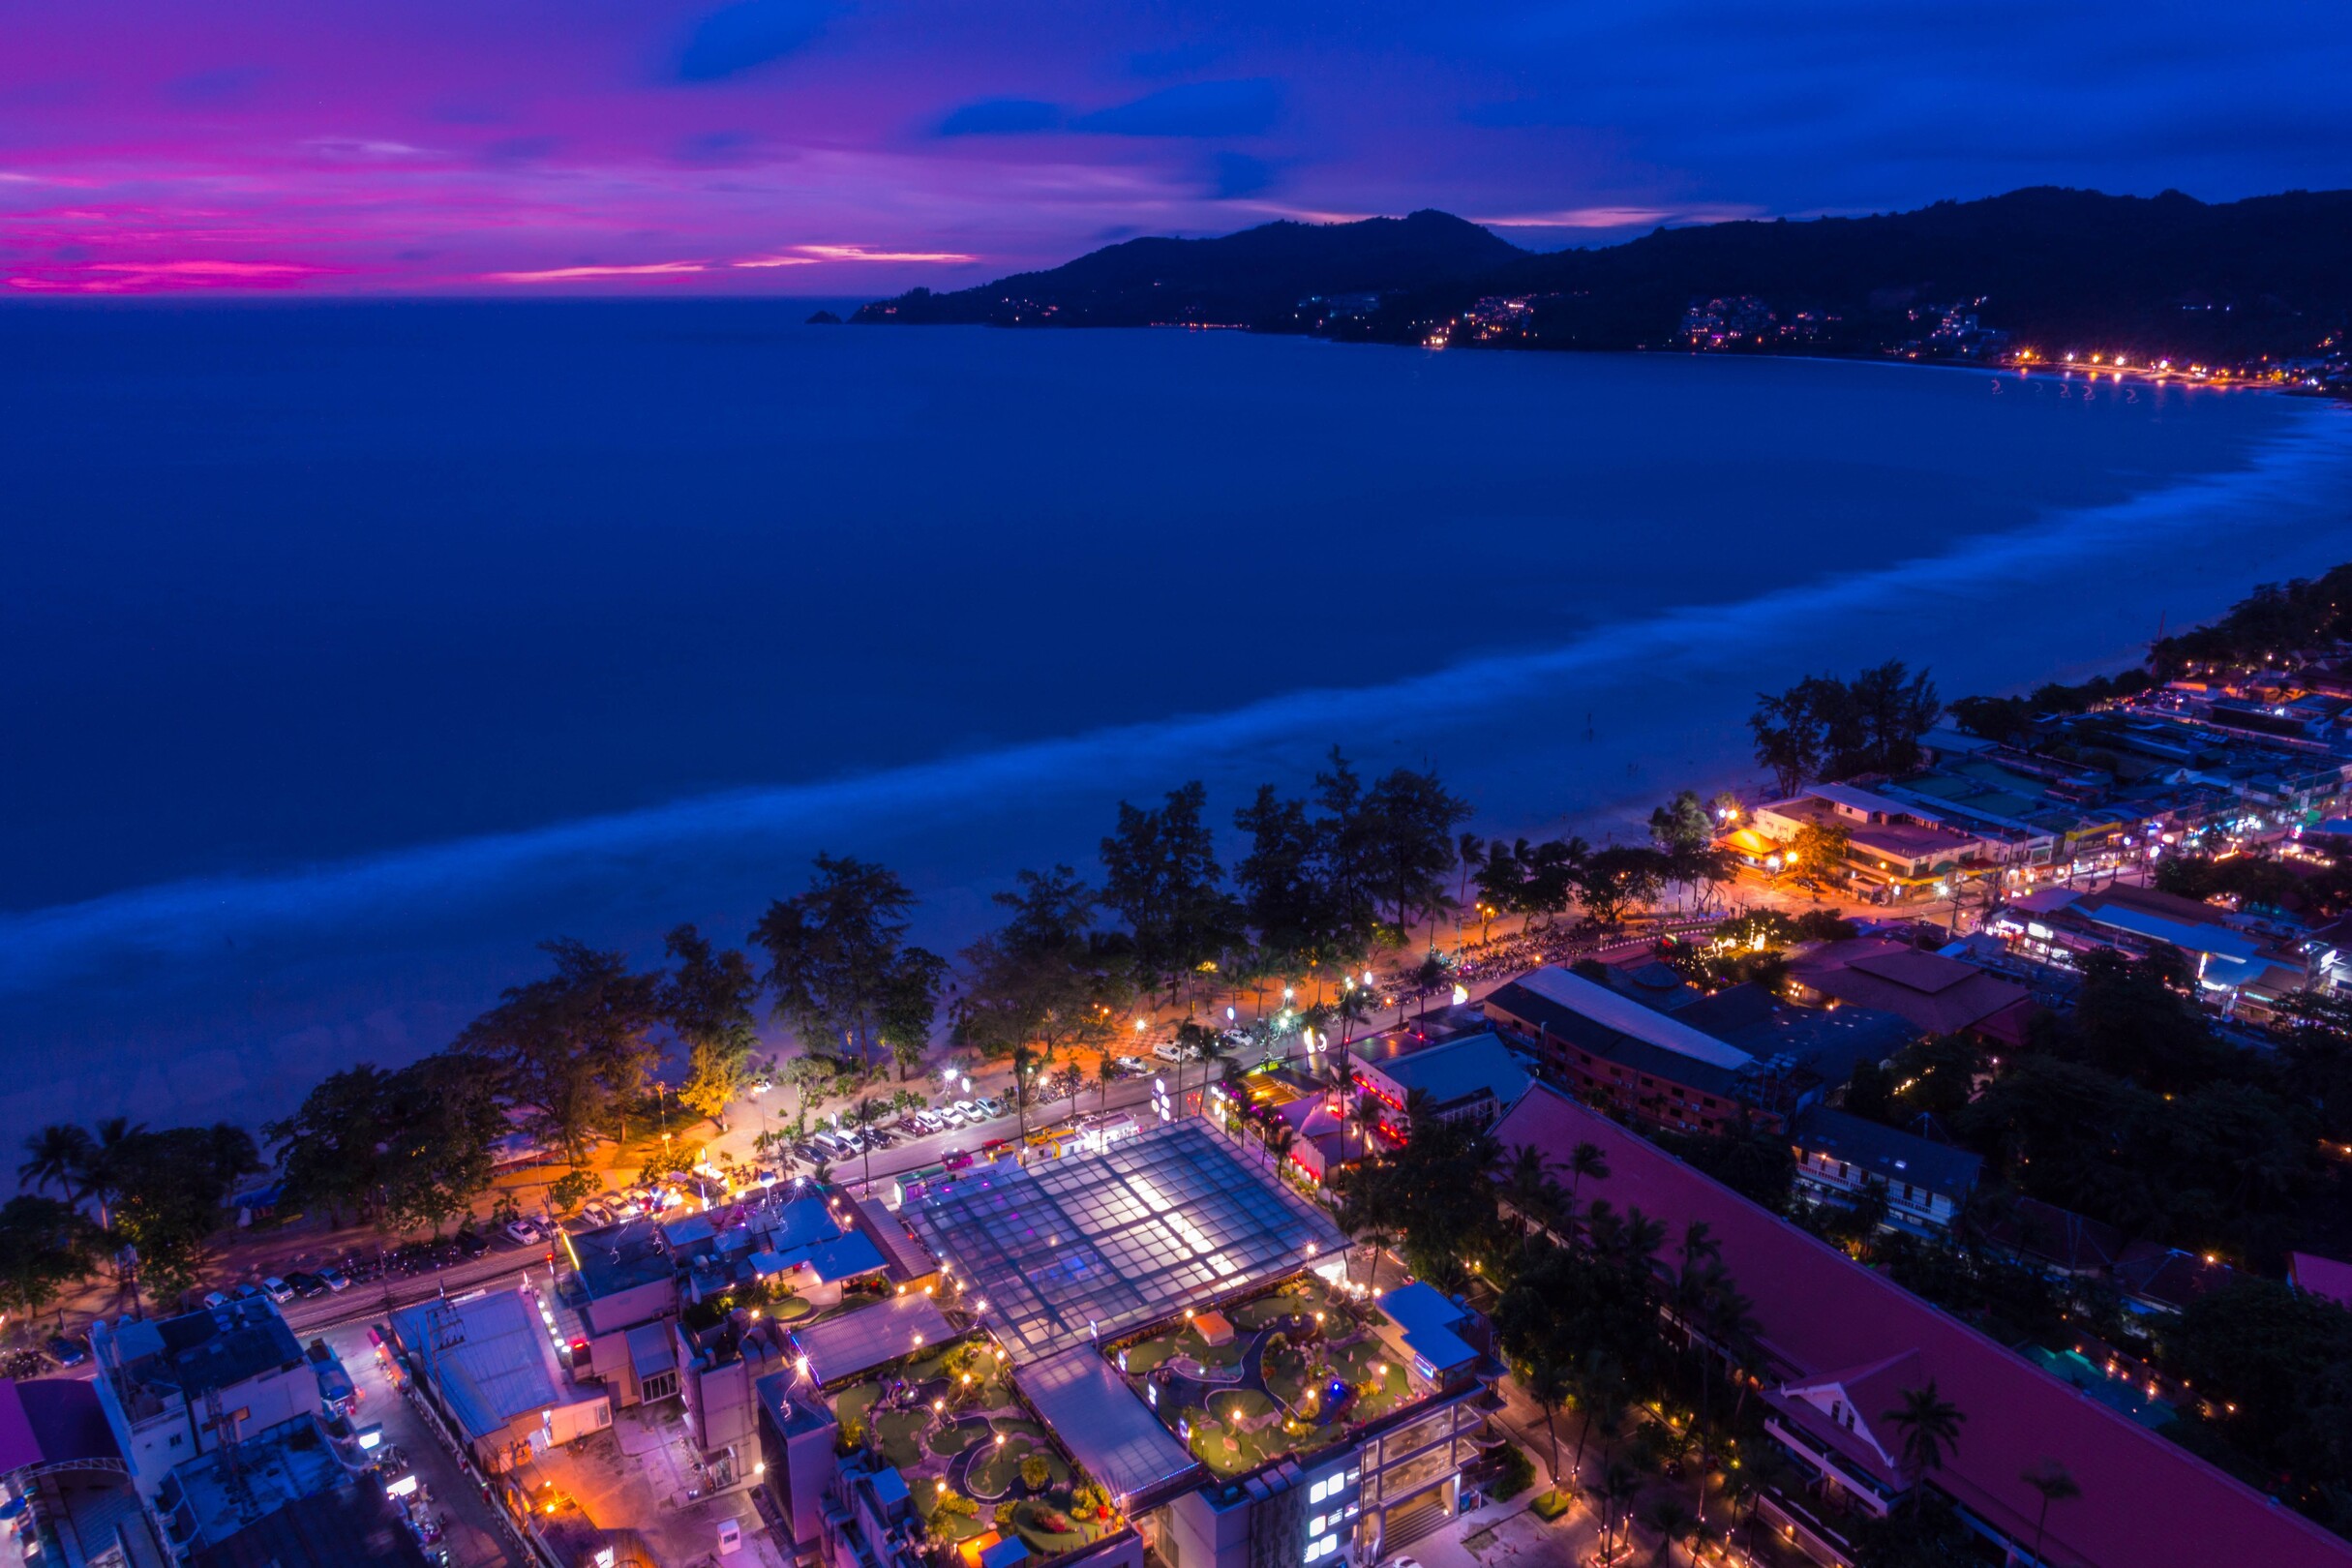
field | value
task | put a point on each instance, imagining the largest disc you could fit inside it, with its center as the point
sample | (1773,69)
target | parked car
(1133,1067)
(336,1279)
(929,1121)
(214,1297)
(307,1286)
(69,1351)
(472,1243)
(597,1214)
(1168,1051)
(276,1290)
(992,1106)
(523,1231)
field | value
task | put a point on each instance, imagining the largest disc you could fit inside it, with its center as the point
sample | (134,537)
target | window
(1315,1526)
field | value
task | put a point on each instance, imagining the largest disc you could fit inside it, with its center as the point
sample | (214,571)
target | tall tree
(841,969)
(1348,857)
(574,1046)
(1930,1424)
(1408,827)
(61,1156)
(1619,877)
(2056,1484)
(708,1002)
(45,1245)
(1047,978)
(1283,893)
(1161,874)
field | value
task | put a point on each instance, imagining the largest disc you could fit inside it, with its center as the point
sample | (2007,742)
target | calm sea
(351,649)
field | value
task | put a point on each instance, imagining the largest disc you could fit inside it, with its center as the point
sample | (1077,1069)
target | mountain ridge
(2047,267)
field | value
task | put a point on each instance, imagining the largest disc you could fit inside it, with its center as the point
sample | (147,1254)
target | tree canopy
(844,977)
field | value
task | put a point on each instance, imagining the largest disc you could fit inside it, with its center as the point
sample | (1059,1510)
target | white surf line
(41,948)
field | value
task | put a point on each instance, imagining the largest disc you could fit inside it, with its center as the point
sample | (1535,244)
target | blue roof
(1428,1319)
(803,1220)
(1421,1306)
(843,1257)
(1004,1553)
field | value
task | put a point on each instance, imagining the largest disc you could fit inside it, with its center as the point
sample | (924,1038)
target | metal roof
(1630,1018)
(488,1358)
(1106,1427)
(1093,1245)
(858,1342)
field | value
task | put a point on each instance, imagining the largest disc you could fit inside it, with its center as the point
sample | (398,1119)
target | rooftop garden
(1285,1373)
(976,1462)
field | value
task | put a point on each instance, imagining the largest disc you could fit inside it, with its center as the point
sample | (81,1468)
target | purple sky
(836,147)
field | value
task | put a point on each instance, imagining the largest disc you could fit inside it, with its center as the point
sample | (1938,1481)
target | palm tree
(866,1115)
(59,1155)
(1548,1387)
(1585,1159)
(1619,1484)
(2056,1484)
(102,1177)
(1527,1185)
(1674,1524)
(1931,1428)
(1602,1389)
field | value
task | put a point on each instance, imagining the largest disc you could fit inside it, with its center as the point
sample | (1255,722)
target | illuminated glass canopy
(1093,1245)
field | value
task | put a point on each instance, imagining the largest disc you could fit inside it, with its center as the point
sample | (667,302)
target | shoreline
(219,996)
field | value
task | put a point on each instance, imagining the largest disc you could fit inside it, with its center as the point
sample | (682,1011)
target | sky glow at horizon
(830,147)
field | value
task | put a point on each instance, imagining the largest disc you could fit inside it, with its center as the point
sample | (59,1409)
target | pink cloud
(645,269)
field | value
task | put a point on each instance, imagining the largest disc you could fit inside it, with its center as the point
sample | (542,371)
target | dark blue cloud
(735,38)
(1001,117)
(1244,108)
(226,85)
(1238,174)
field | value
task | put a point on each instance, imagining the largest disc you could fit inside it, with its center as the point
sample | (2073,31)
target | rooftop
(1287,1373)
(1884,1152)
(853,1344)
(1628,1017)
(621,1257)
(1108,1430)
(1943,996)
(1460,1070)
(283,1495)
(2145,1500)
(943,1430)
(490,1357)
(1094,1244)
(196,1352)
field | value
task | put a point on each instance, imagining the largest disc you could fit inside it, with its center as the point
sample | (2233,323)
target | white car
(276,1290)
(1168,1051)
(523,1231)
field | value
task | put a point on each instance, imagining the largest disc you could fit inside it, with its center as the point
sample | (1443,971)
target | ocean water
(346,651)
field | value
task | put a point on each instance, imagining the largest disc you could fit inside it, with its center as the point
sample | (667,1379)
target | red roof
(2146,1500)
(2321,1276)
(51,1421)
